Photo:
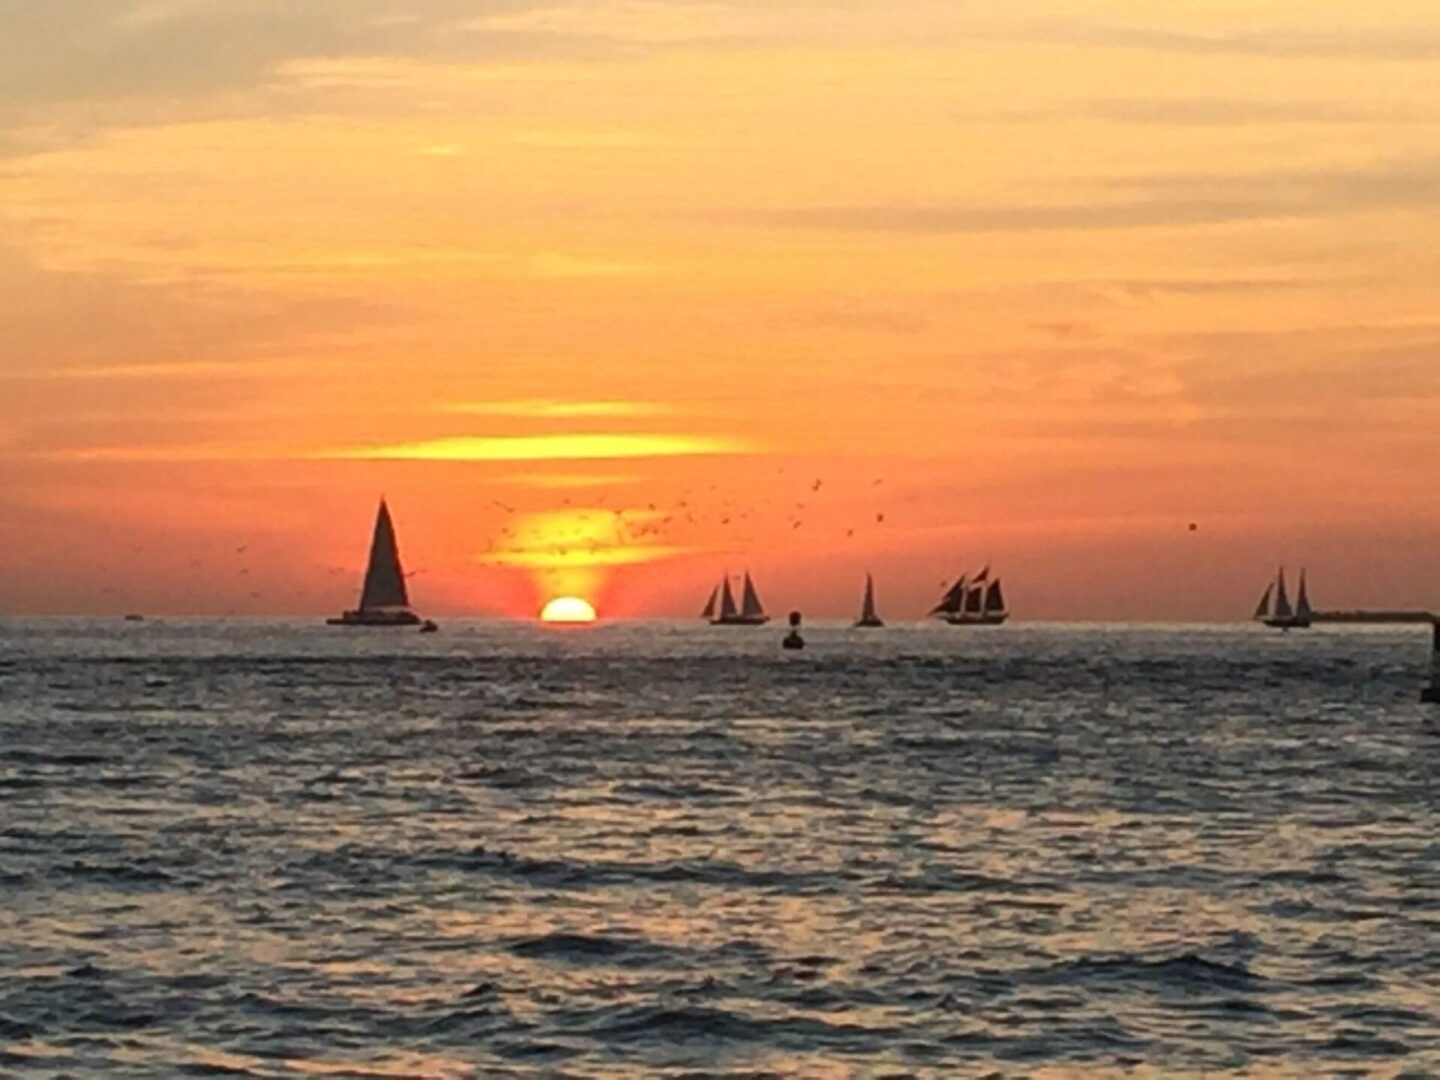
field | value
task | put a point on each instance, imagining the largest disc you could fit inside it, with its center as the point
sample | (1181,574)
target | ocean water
(276,849)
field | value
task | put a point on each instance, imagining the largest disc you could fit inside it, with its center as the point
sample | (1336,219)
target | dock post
(1431,694)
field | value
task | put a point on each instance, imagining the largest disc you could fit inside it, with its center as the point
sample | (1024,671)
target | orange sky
(1041,283)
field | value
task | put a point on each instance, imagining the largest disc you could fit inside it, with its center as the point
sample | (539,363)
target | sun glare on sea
(568,609)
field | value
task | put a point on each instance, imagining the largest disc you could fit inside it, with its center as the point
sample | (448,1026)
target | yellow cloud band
(546,448)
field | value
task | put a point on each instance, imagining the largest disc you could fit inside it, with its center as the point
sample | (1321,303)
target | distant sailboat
(1281,615)
(750,611)
(977,601)
(384,600)
(868,615)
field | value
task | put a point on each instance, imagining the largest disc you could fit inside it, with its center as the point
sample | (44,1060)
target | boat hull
(376,619)
(976,620)
(741,620)
(868,624)
(1287,624)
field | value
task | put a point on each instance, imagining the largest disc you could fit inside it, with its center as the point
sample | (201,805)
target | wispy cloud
(1240,112)
(566,481)
(545,448)
(1149,201)
(559,409)
(195,369)
(1418,45)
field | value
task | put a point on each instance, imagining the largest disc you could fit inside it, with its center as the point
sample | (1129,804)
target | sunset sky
(805,287)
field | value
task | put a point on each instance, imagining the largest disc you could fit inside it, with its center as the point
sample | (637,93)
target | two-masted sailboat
(384,600)
(977,601)
(868,615)
(720,609)
(1275,610)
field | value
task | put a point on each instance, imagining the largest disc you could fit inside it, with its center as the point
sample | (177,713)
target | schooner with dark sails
(1276,611)
(721,609)
(384,600)
(977,601)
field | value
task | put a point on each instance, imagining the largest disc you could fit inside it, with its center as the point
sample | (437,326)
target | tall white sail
(750,607)
(384,579)
(709,610)
(1302,602)
(994,599)
(1262,610)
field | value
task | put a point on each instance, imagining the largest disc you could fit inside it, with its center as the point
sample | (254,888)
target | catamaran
(977,601)
(1280,615)
(384,600)
(868,615)
(720,609)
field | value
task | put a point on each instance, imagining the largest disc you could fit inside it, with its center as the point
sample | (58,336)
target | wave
(664,1023)
(1188,972)
(579,874)
(115,873)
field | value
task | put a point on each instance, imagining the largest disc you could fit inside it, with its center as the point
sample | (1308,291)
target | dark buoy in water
(1431,694)
(793,640)
(429,626)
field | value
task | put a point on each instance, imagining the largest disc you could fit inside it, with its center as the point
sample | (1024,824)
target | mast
(727,599)
(975,598)
(384,579)
(1262,611)
(1283,610)
(709,610)
(750,607)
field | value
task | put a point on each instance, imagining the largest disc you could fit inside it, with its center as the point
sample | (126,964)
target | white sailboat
(868,615)
(977,601)
(750,611)
(1275,609)
(384,599)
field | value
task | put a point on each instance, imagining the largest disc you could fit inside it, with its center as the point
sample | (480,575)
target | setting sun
(568,609)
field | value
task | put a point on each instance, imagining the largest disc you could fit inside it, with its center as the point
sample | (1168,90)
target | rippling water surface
(273,849)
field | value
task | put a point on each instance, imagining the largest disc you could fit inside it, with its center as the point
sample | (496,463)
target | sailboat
(384,600)
(977,601)
(1280,615)
(721,610)
(868,616)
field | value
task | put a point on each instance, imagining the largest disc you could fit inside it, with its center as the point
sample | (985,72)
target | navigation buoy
(1431,694)
(793,640)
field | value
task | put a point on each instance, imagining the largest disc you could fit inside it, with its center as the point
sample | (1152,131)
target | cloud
(1415,46)
(1154,201)
(545,448)
(1234,112)
(559,409)
(62,320)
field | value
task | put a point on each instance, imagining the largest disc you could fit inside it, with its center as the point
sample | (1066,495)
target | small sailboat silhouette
(384,599)
(868,616)
(1280,614)
(750,611)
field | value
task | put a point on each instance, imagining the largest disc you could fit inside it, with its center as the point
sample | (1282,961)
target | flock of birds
(570,533)
(595,527)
